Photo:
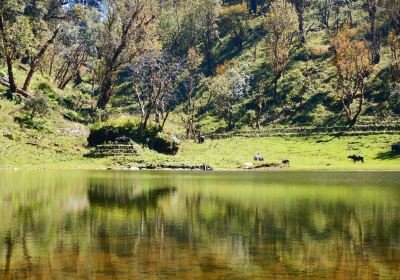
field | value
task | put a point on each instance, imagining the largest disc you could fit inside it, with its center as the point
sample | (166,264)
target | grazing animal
(286,161)
(201,139)
(206,167)
(356,158)
(258,157)
(395,148)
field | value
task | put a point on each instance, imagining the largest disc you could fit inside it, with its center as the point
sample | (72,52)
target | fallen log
(26,94)
(19,91)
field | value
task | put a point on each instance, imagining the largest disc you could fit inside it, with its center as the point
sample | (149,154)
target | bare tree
(124,37)
(154,83)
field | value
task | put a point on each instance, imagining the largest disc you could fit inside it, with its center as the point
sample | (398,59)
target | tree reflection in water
(127,226)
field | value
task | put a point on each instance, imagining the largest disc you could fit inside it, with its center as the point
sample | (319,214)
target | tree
(231,86)
(300,6)
(15,35)
(372,7)
(281,25)
(189,24)
(353,66)
(75,45)
(38,58)
(394,43)
(154,83)
(126,33)
(209,10)
(392,12)
(27,29)
(45,18)
(253,6)
(324,8)
(191,78)
(340,11)
(238,25)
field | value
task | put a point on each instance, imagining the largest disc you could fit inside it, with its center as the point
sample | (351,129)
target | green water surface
(196,225)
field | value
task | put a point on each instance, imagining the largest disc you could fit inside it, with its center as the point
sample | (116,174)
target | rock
(134,168)
(9,135)
(248,165)
(353,149)
(122,140)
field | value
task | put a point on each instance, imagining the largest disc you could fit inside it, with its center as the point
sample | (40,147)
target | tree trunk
(37,59)
(275,83)
(11,80)
(164,120)
(359,110)
(18,90)
(145,120)
(105,89)
(65,83)
(300,12)
(111,61)
(52,64)
(258,117)
(375,44)
(253,6)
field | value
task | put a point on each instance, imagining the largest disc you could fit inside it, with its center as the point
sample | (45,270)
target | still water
(189,225)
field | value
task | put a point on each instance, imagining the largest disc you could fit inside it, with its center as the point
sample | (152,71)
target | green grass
(62,144)
(304,153)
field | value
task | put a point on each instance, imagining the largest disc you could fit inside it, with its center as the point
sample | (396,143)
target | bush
(111,130)
(27,122)
(46,89)
(165,143)
(36,106)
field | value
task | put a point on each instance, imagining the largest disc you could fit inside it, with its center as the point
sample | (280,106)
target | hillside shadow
(389,155)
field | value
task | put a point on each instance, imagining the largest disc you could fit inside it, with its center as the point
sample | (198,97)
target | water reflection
(193,225)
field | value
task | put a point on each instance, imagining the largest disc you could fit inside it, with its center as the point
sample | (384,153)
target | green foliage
(394,100)
(46,89)
(165,143)
(36,106)
(234,21)
(33,111)
(111,130)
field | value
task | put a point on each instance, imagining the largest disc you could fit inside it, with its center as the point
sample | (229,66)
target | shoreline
(258,170)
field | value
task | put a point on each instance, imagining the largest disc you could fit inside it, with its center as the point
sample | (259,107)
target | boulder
(248,165)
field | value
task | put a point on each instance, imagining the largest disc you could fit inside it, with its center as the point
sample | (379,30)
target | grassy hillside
(305,98)
(306,92)
(62,144)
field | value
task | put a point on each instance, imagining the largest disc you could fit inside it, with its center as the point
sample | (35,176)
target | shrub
(36,106)
(165,143)
(111,130)
(394,100)
(46,89)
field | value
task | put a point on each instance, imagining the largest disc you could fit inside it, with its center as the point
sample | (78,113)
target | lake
(194,225)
